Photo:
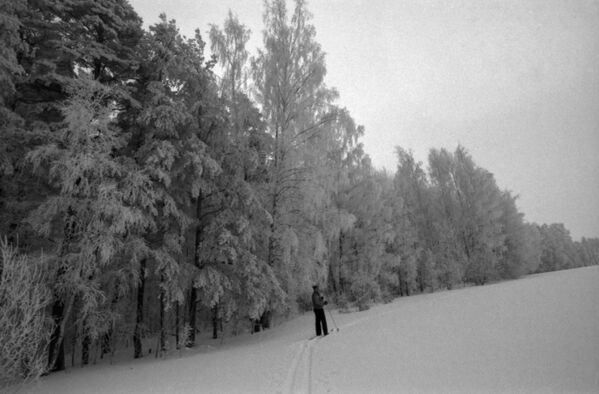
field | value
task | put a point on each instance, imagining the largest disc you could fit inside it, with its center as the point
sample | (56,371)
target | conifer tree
(176,90)
(98,209)
(54,43)
(10,45)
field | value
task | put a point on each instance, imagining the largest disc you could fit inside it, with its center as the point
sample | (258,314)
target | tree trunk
(177,325)
(56,361)
(215,322)
(60,311)
(341,279)
(272,240)
(162,346)
(421,280)
(137,346)
(73,345)
(192,317)
(401,283)
(85,349)
(193,300)
(271,245)
(255,325)
(265,319)
(106,341)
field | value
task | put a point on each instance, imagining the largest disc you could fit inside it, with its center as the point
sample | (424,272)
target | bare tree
(25,328)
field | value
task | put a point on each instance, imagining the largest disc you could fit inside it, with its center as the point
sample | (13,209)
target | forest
(157,186)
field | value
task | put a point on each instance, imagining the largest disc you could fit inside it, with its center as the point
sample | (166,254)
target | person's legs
(321,322)
(317,320)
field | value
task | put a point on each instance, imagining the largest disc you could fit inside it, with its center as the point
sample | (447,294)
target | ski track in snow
(299,375)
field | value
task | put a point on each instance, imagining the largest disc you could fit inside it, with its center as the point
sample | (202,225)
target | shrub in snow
(364,291)
(343,304)
(25,328)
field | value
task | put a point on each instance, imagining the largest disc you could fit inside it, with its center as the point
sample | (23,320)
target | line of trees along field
(142,195)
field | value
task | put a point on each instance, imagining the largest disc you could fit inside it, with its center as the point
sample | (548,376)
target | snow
(536,334)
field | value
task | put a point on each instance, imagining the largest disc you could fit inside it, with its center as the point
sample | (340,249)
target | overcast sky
(515,82)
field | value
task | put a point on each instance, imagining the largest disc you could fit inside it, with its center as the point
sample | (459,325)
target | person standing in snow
(318,303)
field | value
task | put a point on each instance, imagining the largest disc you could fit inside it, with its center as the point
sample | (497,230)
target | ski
(321,336)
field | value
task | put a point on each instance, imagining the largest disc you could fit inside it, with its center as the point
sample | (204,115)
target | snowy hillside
(537,334)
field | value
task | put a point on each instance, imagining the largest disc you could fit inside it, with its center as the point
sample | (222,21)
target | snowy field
(536,334)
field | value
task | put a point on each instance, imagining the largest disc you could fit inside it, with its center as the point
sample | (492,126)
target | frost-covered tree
(557,248)
(97,210)
(176,90)
(587,251)
(471,207)
(532,247)
(229,46)
(516,256)
(237,281)
(449,256)
(48,45)
(10,46)
(365,244)
(287,74)
(412,218)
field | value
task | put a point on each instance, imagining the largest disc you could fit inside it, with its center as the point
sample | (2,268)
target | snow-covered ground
(536,334)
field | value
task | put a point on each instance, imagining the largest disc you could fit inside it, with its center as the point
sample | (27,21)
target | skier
(317,303)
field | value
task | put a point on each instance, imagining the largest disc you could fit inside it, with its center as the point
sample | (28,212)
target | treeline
(143,194)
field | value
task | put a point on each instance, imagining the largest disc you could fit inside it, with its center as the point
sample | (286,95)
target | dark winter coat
(317,300)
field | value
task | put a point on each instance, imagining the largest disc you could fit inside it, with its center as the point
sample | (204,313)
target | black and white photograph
(299,196)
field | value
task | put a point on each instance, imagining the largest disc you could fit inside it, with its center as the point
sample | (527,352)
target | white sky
(515,82)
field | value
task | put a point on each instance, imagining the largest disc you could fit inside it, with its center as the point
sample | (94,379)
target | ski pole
(333,320)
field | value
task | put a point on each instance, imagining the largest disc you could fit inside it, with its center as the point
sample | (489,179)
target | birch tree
(248,287)
(288,77)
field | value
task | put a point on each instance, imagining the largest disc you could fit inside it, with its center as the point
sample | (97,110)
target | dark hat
(315,286)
